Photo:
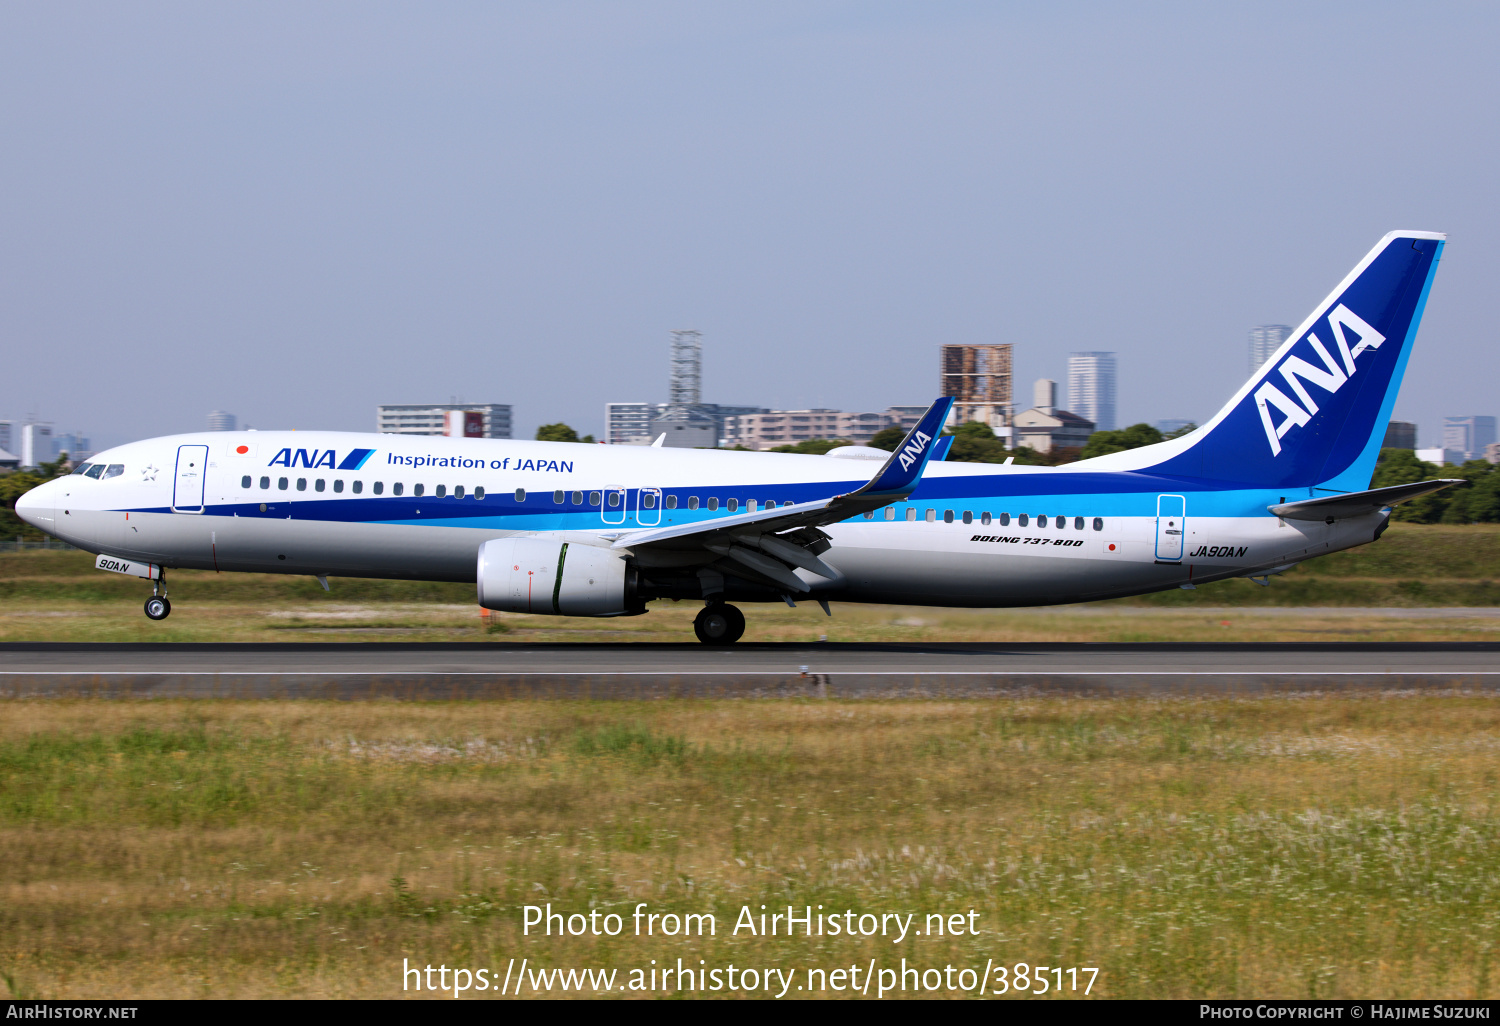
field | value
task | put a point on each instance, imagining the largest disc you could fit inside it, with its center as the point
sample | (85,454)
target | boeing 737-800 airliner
(1279,475)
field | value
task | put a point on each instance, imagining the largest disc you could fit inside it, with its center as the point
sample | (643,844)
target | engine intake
(543,575)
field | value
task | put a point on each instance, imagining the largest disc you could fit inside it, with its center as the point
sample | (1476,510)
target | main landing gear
(719,624)
(157,606)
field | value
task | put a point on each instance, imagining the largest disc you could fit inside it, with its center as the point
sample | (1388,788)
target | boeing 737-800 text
(1279,475)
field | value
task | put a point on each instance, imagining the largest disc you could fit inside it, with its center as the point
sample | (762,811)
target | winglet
(901,472)
(940,450)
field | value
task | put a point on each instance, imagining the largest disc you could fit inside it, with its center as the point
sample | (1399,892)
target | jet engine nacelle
(544,575)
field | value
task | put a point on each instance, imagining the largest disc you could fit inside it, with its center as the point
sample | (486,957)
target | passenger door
(613,509)
(1171,527)
(187,485)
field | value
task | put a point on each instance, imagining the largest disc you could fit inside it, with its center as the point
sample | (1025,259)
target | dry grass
(1289,847)
(672,622)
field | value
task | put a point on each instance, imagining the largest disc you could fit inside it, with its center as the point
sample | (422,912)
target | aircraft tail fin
(1315,413)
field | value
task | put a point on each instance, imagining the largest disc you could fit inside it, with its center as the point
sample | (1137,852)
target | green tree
(814,446)
(1479,500)
(1101,443)
(888,438)
(974,442)
(16,484)
(1401,466)
(1186,429)
(558,432)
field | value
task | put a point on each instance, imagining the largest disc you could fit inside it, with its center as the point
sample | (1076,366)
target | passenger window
(911,513)
(416,489)
(648,500)
(358,487)
(1041,521)
(115,470)
(282,483)
(578,498)
(614,499)
(890,512)
(732,505)
(947,516)
(318,485)
(1023,520)
(932,516)
(441,491)
(671,502)
(379,487)
(1004,519)
(984,518)
(870,515)
(1062,523)
(968,517)
(478,493)
(557,497)
(338,484)
(692,502)
(1098,523)
(458,491)
(265,482)
(713,503)
(751,506)
(397,488)
(245,481)
(594,498)
(520,495)
(1078,523)
(301,484)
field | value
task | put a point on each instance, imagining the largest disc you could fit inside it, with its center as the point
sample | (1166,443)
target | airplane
(1281,474)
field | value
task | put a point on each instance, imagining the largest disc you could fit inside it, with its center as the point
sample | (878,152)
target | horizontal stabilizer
(1358,504)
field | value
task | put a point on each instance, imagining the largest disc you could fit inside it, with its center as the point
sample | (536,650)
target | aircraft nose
(35,506)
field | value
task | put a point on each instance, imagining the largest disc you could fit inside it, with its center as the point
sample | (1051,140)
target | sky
(297,211)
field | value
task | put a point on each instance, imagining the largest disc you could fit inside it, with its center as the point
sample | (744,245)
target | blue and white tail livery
(1279,475)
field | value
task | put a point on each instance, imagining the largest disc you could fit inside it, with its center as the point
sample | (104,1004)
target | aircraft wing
(1357,504)
(769,543)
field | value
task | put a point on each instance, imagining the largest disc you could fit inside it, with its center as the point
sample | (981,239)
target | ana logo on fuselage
(912,451)
(1330,377)
(312,459)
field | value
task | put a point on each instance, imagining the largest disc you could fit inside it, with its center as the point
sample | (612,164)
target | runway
(637,671)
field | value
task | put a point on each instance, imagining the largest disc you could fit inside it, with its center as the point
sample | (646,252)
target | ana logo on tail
(912,451)
(1330,377)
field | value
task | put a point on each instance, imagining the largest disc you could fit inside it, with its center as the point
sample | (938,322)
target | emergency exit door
(187,485)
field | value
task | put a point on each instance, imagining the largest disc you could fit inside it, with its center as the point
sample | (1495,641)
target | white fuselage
(404,507)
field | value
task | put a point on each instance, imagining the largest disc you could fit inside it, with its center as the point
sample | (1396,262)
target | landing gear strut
(719,624)
(157,606)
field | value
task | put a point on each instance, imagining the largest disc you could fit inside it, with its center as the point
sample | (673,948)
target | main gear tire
(719,624)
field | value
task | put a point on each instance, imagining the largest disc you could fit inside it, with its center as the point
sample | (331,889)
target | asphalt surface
(499,670)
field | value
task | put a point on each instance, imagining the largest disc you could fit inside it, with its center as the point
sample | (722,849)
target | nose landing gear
(719,624)
(157,606)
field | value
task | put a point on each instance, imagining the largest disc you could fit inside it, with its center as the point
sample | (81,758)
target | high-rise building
(75,444)
(36,444)
(685,419)
(1400,434)
(7,438)
(422,419)
(1468,435)
(1091,388)
(979,380)
(218,420)
(1044,395)
(1264,341)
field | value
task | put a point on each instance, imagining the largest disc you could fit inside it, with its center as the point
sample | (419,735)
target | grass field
(58,596)
(1296,847)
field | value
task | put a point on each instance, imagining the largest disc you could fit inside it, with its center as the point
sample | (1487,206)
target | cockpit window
(115,470)
(95,471)
(83,468)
